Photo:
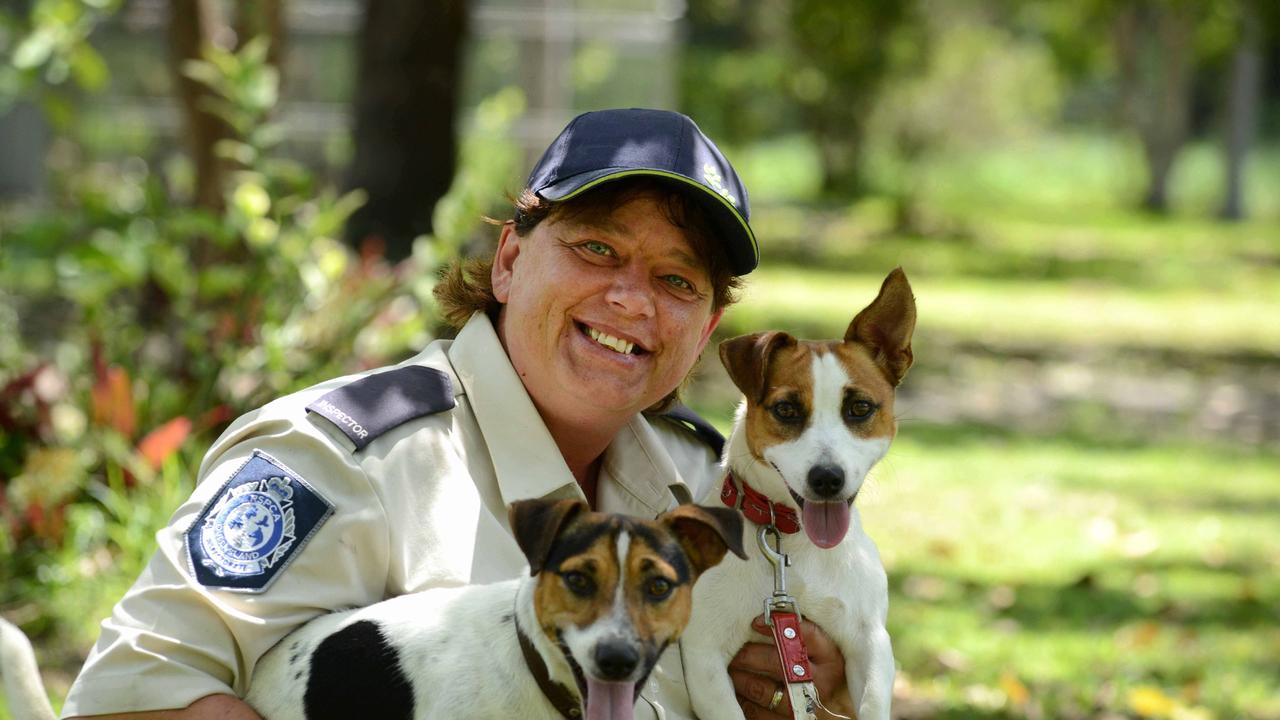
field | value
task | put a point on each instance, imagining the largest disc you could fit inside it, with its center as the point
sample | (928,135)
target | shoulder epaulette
(368,407)
(694,422)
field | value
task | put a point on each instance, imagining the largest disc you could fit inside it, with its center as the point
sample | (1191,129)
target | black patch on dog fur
(355,672)
(575,541)
(666,548)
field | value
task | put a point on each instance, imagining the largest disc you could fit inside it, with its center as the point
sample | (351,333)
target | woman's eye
(678,282)
(597,247)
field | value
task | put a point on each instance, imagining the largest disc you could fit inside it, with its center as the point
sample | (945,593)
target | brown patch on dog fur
(867,381)
(656,622)
(557,606)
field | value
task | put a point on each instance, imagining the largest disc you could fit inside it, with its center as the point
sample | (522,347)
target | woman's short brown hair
(466,284)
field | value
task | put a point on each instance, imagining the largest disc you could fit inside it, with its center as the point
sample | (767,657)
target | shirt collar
(525,458)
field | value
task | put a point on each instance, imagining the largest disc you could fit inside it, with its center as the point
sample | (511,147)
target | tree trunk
(406,101)
(1242,109)
(1154,53)
(193,24)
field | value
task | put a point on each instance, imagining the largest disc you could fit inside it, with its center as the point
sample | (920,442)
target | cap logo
(712,175)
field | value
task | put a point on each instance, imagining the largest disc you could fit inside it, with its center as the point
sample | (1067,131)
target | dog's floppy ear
(706,533)
(536,523)
(885,326)
(747,360)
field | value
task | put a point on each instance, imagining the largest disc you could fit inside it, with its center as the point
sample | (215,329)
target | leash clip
(801,693)
(780,600)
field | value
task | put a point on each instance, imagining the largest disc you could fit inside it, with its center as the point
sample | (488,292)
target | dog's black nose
(826,480)
(616,660)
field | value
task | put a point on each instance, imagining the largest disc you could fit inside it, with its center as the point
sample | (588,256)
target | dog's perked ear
(537,523)
(747,359)
(706,533)
(885,326)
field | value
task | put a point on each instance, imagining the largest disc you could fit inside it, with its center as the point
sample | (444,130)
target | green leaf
(205,73)
(254,52)
(34,50)
(262,89)
(236,151)
(88,68)
(251,200)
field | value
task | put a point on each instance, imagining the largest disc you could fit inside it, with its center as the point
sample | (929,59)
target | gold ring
(777,698)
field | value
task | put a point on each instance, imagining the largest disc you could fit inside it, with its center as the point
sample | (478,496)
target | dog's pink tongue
(610,700)
(826,522)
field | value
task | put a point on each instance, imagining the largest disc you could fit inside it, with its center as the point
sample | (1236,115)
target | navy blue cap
(605,145)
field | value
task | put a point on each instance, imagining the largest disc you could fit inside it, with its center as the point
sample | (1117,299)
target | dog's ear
(747,360)
(536,523)
(885,326)
(706,534)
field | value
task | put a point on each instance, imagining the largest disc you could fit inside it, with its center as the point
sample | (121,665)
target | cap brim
(742,248)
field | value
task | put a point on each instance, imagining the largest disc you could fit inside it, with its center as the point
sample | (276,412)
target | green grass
(1012,312)
(1083,570)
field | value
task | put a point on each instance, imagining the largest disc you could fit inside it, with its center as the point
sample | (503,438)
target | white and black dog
(605,595)
(815,418)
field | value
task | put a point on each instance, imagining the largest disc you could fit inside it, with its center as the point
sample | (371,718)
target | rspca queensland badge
(254,527)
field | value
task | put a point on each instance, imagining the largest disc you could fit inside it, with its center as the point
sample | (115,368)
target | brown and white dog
(815,418)
(606,594)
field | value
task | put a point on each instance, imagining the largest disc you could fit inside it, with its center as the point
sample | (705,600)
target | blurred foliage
(874,86)
(46,48)
(136,328)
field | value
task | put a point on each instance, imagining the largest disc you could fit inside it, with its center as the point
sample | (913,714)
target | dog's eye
(858,409)
(578,583)
(787,411)
(658,588)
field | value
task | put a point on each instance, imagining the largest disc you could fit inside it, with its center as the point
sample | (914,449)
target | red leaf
(164,441)
(217,415)
(112,398)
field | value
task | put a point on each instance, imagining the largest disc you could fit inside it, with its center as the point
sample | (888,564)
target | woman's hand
(757,676)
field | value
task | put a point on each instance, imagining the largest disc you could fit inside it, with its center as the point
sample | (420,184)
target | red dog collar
(757,508)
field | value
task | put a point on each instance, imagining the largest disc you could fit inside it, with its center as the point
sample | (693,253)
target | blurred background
(205,205)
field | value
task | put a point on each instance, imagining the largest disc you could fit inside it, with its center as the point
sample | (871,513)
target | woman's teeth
(611,342)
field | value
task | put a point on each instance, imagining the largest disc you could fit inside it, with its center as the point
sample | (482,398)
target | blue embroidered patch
(254,527)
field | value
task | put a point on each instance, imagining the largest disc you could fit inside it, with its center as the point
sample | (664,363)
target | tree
(842,55)
(1243,91)
(405,109)
(1155,55)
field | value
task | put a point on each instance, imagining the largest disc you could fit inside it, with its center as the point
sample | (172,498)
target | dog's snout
(616,660)
(826,480)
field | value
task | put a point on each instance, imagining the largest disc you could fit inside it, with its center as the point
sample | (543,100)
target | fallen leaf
(1013,687)
(1149,701)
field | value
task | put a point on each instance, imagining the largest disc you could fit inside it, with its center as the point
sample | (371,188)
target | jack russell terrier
(815,418)
(577,638)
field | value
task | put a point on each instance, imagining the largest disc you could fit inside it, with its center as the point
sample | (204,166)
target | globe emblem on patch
(249,529)
(249,525)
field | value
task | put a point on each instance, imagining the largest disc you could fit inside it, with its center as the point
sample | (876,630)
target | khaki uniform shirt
(422,505)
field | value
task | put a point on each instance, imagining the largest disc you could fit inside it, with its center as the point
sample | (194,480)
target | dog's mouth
(602,699)
(825,523)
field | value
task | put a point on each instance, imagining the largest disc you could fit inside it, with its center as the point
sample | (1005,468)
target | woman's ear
(504,260)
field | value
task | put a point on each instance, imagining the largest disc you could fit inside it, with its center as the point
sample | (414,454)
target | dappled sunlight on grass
(1023,312)
(1079,566)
